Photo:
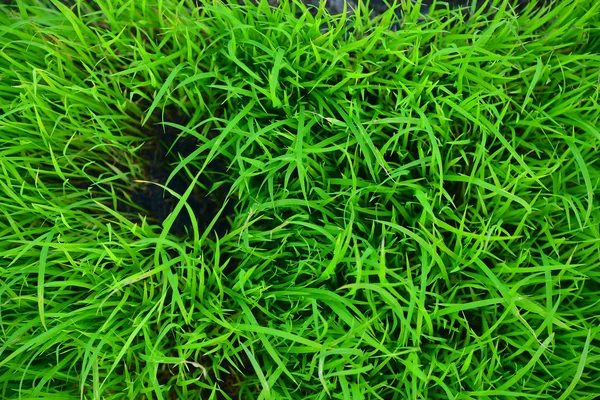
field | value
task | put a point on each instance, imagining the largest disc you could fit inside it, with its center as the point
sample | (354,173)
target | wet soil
(161,153)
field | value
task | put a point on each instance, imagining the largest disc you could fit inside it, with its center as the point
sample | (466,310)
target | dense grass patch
(224,201)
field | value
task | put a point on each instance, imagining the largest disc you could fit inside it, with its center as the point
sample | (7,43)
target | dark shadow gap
(165,148)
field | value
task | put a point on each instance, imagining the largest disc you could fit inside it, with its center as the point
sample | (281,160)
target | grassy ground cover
(209,201)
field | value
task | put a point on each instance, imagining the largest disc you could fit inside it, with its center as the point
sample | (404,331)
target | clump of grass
(415,211)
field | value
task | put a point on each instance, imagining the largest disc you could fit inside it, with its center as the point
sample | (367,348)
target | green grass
(417,211)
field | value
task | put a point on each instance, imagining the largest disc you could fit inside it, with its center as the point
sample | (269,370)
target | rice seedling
(209,200)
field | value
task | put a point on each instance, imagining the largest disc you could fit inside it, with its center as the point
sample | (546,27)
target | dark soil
(166,147)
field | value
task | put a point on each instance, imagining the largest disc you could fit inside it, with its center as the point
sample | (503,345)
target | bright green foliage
(417,210)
